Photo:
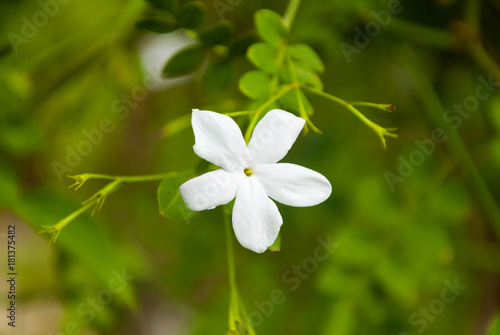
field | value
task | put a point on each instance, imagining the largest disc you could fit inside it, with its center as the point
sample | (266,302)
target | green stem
(233,114)
(427,36)
(56,229)
(298,97)
(255,119)
(472,12)
(291,11)
(230,251)
(384,107)
(454,142)
(380,131)
(234,299)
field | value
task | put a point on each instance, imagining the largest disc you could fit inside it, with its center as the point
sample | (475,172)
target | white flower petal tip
(251,175)
(273,136)
(293,185)
(210,190)
(218,139)
(256,219)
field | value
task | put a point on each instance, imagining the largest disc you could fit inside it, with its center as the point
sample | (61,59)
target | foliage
(399,241)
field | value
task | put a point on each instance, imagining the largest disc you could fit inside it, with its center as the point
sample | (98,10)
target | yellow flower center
(248,172)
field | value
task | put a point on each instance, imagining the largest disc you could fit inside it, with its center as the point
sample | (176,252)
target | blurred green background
(401,244)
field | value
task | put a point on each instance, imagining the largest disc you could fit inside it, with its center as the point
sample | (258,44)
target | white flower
(251,174)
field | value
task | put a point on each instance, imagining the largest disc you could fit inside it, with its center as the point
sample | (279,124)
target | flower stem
(291,10)
(96,200)
(380,131)
(238,316)
(56,229)
(298,97)
(230,251)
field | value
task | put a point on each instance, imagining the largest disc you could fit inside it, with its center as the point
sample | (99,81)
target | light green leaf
(218,75)
(185,61)
(306,54)
(264,56)
(305,75)
(255,84)
(191,15)
(157,25)
(217,33)
(170,201)
(271,27)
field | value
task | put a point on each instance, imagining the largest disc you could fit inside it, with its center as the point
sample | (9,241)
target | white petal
(293,185)
(218,139)
(210,189)
(273,136)
(256,219)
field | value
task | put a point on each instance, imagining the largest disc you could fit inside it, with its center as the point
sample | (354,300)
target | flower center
(248,172)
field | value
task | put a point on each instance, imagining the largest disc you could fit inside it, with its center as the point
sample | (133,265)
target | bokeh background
(401,245)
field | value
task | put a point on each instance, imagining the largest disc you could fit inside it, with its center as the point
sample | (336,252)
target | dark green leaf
(271,27)
(264,56)
(255,84)
(218,33)
(218,75)
(169,5)
(170,201)
(241,44)
(306,54)
(185,61)
(157,25)
(191,15)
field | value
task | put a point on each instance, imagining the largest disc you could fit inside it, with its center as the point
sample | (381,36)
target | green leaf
(170,201)
(185,61)
(305,75)
(191,15)
(169,5)
(289,102)
(217,33)
(157,25)
(218,75)
(255,84)
(264,56)
(306,54)
(276,245)
(271,27)
(241,44)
